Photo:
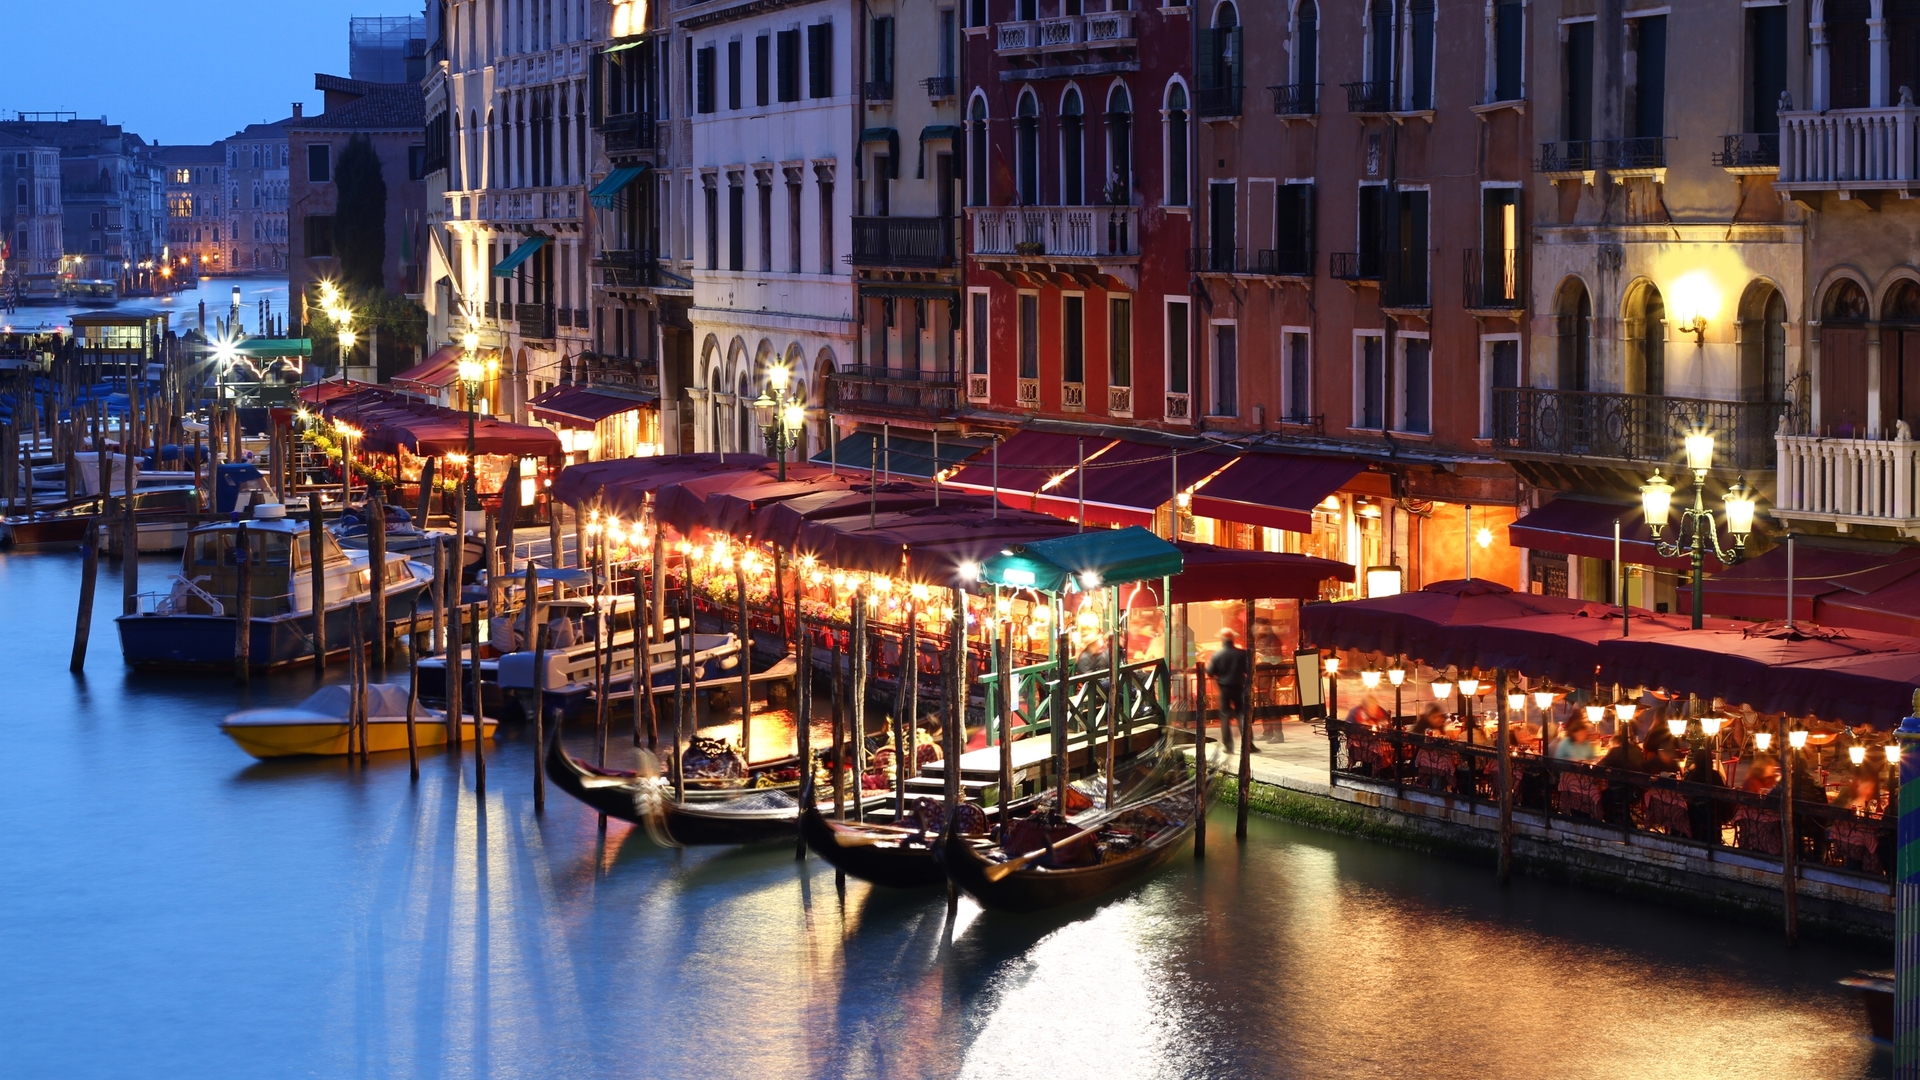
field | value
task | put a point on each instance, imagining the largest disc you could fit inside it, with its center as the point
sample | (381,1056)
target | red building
(1077,304)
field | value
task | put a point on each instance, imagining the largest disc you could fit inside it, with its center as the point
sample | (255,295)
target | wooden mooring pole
(89,572)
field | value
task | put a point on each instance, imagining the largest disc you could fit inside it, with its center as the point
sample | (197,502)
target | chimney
(297,108)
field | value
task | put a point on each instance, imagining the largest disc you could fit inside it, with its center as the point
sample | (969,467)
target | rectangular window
(1576,117)
(713,227)
(1420,63)
(826,227)
(787,69)
(1226,370)
(977,12)
(1220,227)
(1296,350)
(1650,77)
(1767,42)
(736,227)
(793,227)
(1073,339)
(1409,278)
(949,42)
(880,58)
(416,167)
(1293,228)
(1120,341)
(1029,336)
(766,225)
(1509,46)
(734,75)
(1369,382)
(319,236)
(1500,370)
(1179,364)
(820,60)
(319,164)
(1415,385)
(762,63)
(1500,248)
(703,62)
(1371,229)
(977,334)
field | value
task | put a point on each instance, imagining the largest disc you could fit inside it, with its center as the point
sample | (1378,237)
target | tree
(360,220)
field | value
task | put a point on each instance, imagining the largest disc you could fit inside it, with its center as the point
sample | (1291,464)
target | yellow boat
(318,725)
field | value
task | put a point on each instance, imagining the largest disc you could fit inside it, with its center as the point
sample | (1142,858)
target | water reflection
(175,909)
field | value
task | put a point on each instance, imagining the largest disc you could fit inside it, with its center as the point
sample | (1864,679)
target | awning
(1894,609)
(901,455)
(1578,527)
(616,182)
(577,406)
(1277,491)
(624,46)
(1800,672)
(890,136)
(1128,481)
(1084,561)
(934,133)
(508,265)
(1217,573)
(1027,463)
(438,370)
(621,485)
(1757,588)
(326,391)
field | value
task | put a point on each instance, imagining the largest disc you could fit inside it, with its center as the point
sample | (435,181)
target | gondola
(883,855)
(1036,887)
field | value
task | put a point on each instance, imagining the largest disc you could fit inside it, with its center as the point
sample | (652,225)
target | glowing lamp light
(1484,538)
(1090,580)
(1694,301)
(1625,710)
(1762,740)
(1656,502)
(1857,754)
(1700,451)
(1442,688)
(1370,679)
(1543,700)
(920,592)
(1596,713)
(796,417)
(1333,665)
(1396,675)
(777,377)
(1016,576)
(1469,687)
(1893,753)
(470,341)
(1797,738)
(1383,581)
(1711,725)
(969,571)
(1677,727)
(1517,701)
(1740,504)
(470,370)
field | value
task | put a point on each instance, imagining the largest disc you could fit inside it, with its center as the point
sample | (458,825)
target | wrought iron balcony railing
(866,387)
(1218,100)
(1494,278)
(1639,428)
(878,90)
(1369,97)
(1618,155)
(938,86)
(1296,99)
(1282,262)
(536,320)
(902,241)
(1354,265)
(1213,260)
(1748,151)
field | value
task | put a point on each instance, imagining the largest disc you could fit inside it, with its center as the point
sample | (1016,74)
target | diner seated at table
(1662,751)
(1762,774)
(1430,721)
(1576,741)
(1861,793)
(1624,753)
(1705,814)
(1370,713)
(1806,786)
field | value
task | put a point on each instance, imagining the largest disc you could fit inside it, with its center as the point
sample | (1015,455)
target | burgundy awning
(780,522)
(1894,609)
(1421,625)
(1807,671)
(580,407)
(684,506)
(1580,527)
(620,486)
(322,392)
(1217,573)
(433,436)
(1757,588)
(1278,491)
(1027,463)
(438,370)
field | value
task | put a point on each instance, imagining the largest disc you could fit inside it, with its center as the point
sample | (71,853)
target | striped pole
(1906,906)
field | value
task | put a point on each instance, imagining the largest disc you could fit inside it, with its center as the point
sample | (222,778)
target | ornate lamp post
(471,372)
(1698,532)
(780,415)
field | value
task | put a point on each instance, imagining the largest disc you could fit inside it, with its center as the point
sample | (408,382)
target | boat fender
(729,663)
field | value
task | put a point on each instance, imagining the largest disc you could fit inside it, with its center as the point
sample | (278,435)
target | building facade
(258,161)
(30,208)
(111,195)
(198,226)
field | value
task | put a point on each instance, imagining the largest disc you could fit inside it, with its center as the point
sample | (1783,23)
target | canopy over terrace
(621,486)
(390,422)
(1427,624)
(322,392)
(1830,585)
(1835,674)
(1216,573)
(1083,562)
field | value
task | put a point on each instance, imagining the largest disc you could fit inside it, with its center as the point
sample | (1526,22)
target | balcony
(1637,429)
(1062,33)
(1404,282)
(1494,280)
(1282,262)
(869,389)
(939,86)
(1109,29)
(1621,157)
(630,270)
(1217,101)
(629,132)
(1849,482)
(1296,99)
(1748,153)
(1369,97)
(877,90)
(1012,38)
(1354,266)
(903,241)
(1073,397)
(1848,149)
(1213,260)
(1054,233)
(1119,401)
(535,321)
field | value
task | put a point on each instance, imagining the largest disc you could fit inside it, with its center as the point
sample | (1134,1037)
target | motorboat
(319,725)
(161,517)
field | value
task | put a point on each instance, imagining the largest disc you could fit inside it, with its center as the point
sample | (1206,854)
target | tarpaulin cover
(1894,609)
(895,454)
(1757,588)
(1217,573)
(1082,562)
(1421,625)
(1804,671)
(1580,527)
(439,369)
(620,486)
(1277,491)
(575,406)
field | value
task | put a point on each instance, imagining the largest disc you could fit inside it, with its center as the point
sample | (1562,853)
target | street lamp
(780,415)
(471,370)
(1698,532)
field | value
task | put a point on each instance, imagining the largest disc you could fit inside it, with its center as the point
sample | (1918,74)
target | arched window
(1177,183)
(456,169)
(1763,341)
(1380,48)
(1026,130)
(977,154)
(1073,172)
(1119,147)
(743,414)
(1849,54)
(492,151)
(1573,315)
(1843,361)
(1900,356)
(1646,335)
(1217,77)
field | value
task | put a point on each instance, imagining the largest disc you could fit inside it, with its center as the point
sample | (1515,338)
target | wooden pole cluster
(317,560)
(243,604)
(537,631)
(377,571)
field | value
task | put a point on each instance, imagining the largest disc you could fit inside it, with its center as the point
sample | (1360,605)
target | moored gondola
(895,857)
(747,815)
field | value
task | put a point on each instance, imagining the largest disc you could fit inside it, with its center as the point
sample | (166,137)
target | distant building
(257,159)
(387,49)
(393,117)
(110,193)
(197,228)
(30,206)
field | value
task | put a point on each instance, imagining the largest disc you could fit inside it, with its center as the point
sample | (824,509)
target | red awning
(1423,625)
(321,392)
(437,371)
(1806,671)
(1757,588)
(1027,463)
(1278,491)
(1579,527)
(1217,573)
(1894,609)
(581,406)
(434,436)
(621,485)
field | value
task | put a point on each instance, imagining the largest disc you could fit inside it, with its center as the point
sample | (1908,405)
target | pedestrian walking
(1228,668)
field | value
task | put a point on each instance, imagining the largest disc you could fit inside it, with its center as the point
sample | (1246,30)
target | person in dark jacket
(1229,670)
(1705,814)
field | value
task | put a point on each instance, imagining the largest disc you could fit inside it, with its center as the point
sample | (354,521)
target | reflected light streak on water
(174,909)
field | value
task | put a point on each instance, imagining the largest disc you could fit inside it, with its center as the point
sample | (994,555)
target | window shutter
(1207,72)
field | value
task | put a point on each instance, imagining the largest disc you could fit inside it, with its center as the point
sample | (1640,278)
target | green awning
(508,265)
(890,136)
(949,132)
(899,454)
(1085,561)
(616,182)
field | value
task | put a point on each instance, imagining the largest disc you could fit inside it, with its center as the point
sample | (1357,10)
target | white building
(765,202)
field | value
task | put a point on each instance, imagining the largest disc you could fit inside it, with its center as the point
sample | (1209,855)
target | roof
(1085,561)
(212,153)
(570,405)
(275,130)
(374,106)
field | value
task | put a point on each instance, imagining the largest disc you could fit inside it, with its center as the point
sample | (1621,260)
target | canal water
(170,907)
(184,307)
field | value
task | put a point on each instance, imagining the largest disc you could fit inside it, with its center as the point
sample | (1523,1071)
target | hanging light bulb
(1711,724)
(1857,754)
(1370,679)
(1397,674)
(1677,725)
(1762,741)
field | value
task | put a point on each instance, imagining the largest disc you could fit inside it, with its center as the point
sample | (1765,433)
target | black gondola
(1035,887)
(742,816)
(894,858)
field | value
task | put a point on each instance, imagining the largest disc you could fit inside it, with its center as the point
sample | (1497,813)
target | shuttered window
(820,60)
